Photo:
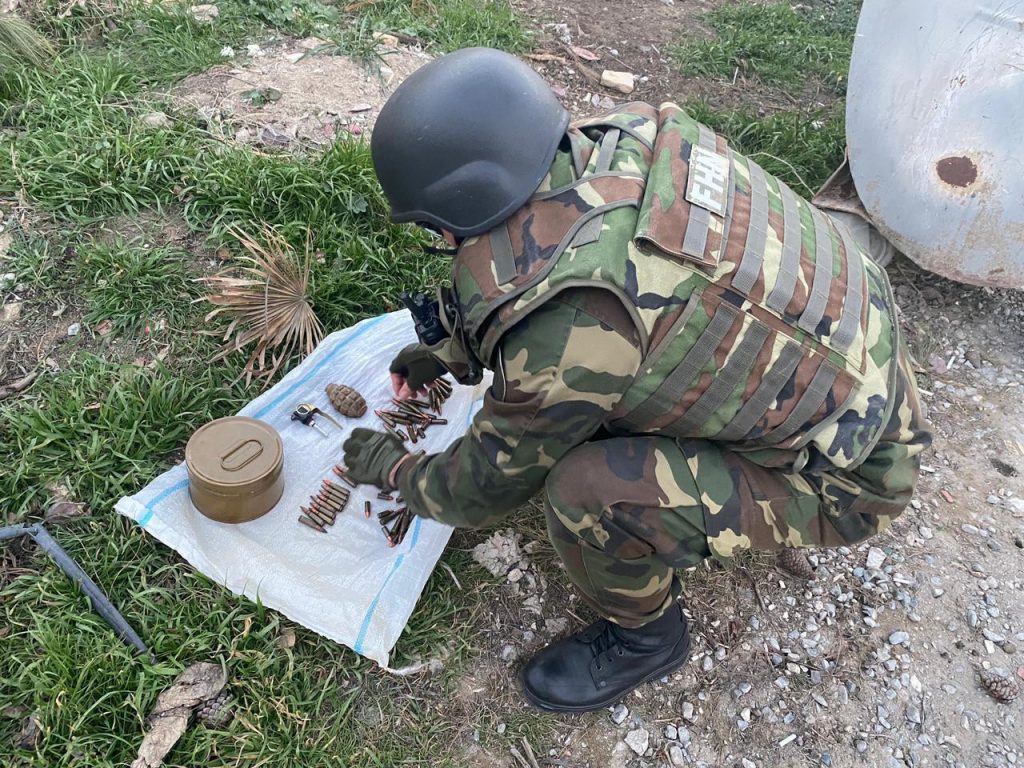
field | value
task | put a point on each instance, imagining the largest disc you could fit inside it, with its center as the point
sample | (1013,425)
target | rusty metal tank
(935,111)
(234,469)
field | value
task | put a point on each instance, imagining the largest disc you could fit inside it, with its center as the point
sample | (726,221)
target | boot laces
(605,644)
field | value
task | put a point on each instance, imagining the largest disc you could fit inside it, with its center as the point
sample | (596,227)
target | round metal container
(234,469)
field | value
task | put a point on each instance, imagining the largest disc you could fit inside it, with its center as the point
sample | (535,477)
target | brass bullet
(384,496)
(321,517)
(340,472)
(335,490)
(309,523)
(367,510)
(328,503)
(387,515)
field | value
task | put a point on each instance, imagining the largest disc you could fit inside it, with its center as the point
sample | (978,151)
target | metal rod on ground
(100,603)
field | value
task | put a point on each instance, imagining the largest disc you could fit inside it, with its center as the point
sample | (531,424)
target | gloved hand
(417,367)
(370,456)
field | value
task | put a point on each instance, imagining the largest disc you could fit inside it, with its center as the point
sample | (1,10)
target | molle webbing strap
(677,383)
(808,404)
(591,231)
(505,269)
(853,304)
(732,375)
(765,395)
(757,233)
(821,286)
(607,151)
(695,240)
(792,243)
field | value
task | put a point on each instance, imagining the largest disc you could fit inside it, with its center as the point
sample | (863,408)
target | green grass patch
(103,430)
(801,148)
(75,147)
(132,285)
(778,43)
(453,24)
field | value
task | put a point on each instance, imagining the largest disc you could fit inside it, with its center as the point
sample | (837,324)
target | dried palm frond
(269,303)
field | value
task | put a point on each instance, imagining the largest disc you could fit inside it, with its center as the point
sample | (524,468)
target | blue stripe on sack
(358,331)
(151,506)
(372,609)
(368,617)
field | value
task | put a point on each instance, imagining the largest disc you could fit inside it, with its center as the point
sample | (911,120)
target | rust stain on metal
(957,171)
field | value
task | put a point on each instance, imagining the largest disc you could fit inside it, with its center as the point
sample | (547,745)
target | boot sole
(659,672)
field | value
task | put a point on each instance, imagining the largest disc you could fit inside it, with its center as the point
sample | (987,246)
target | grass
(802,148)
(781,50)
(132,285)
(75,149)
(778,43)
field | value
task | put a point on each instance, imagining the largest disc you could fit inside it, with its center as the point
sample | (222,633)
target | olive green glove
(370,456)
(418,366)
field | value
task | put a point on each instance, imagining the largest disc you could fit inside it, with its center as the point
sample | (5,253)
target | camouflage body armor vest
(762,322)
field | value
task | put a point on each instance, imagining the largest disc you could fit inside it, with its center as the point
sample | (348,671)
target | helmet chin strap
(435,251)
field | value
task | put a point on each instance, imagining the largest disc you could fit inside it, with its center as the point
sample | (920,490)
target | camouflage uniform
(691,360)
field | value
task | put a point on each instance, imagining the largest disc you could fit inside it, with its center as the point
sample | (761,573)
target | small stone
(926,532)
(386,40)
(623,82)
(295,58)
(638,740)
(515,575)
(720,653)
(204,13)
(501,729)
(875,558)
(10,312)
(862,746)
(1009,648)
(747,763)
(688,713)
(619,714)
(508,652)
(708,664)
(899,638)
(227,52)
(742,725)
(74,329)
(671,733)
(676,756)
(826,759)
(781,682)
(914,713)
(362,107)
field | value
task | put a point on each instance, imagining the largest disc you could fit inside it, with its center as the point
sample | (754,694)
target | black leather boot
(598,666)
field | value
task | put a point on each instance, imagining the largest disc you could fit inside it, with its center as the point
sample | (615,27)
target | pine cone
(348,402)
(216,712)
(795,562)
(999,688)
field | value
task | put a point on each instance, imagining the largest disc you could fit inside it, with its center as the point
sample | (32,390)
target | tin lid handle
(240,454)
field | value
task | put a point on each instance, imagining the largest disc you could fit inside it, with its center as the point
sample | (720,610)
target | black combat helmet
(465,141)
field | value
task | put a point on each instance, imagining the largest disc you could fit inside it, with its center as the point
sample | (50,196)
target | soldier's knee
(574,483)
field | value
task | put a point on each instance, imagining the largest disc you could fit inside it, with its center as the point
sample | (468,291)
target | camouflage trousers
(625,512)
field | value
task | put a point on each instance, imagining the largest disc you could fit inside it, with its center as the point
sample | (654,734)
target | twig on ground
(21,384)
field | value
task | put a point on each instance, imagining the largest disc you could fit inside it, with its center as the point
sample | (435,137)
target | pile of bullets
(324,507)
(399,519)
(414,414)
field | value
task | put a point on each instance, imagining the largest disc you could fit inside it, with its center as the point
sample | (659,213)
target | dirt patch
(297,93)
(636,38)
